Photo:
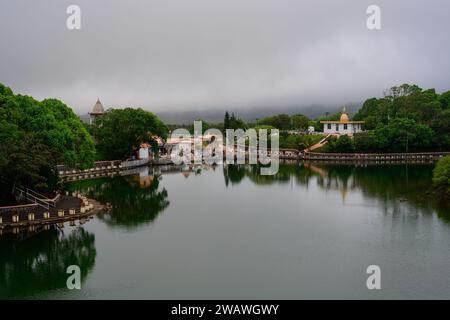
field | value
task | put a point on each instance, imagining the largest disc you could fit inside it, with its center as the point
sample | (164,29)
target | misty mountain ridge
(251,114)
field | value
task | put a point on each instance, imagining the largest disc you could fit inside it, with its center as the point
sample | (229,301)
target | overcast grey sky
(213,54)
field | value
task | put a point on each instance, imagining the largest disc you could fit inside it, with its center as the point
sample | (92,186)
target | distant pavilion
(97,111)
(342,127)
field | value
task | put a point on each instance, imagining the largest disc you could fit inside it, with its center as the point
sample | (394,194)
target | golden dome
(344,115)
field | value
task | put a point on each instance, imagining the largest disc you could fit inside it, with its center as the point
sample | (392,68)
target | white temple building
(342,127)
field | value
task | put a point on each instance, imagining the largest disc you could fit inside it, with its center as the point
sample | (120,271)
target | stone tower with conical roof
(97,111)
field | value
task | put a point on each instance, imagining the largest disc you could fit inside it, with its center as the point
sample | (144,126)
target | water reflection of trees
(234,174)
(38,263)
(132,201)
(394,185)
(397,185)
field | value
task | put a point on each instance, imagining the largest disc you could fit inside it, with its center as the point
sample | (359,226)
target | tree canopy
(119,133)
(226,121)
(299,122)
(343,144)
(441,175)
(279,121)
(235,123)
(284,121)
(405,108)
(37,135)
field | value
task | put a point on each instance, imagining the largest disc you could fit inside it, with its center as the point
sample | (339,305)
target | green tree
(119,133)
(38,263)
(289,141)
(441,174)
(344,144)
(263,126)
(403,135)
(280,121)
(35,136)
(444,99)
(373,112)
(401,91)
(299,122)
(24,160)
(405,101)
(441,127)
(132,205)
(407,116)
(54,124)
(236,123)
(226,121)
(365,142)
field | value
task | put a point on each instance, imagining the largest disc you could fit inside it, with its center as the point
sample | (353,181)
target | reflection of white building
(144,151)
(343,126)
(343,185)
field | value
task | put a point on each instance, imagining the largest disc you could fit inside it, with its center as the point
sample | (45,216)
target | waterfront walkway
(116,168)
(425,157)
(67,208)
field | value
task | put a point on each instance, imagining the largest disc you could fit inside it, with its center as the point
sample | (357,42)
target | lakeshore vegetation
(119,132)
(37,135)
(441,176)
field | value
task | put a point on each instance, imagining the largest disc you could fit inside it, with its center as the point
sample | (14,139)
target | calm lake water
(229,233)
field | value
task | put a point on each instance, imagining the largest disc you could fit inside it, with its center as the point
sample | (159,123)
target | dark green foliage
(38,263)
(406,119)
(441,174)
(400,135)
(373,112)
(226,121)
(280,121)
(299,122)
(236,123)
(403,135)
(344,144)
(365,142)
(119,132)
(233,174)
(300,142)
(35,136)
(444,99)
(283,121)
(132,205)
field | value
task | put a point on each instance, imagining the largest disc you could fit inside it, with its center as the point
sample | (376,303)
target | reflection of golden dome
(186,173)
(144,182)
(344,115)
(344,192)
